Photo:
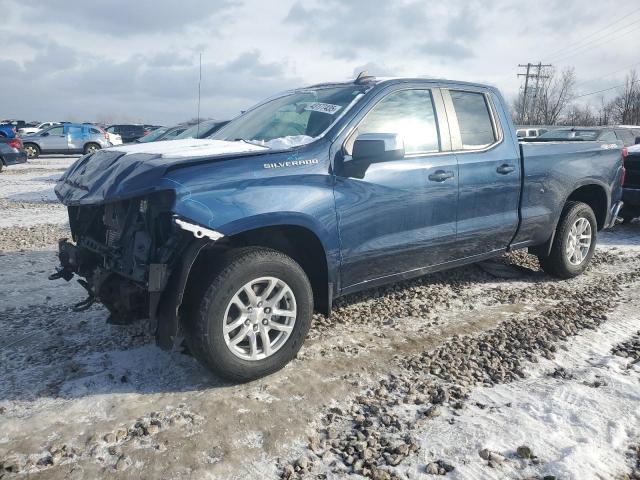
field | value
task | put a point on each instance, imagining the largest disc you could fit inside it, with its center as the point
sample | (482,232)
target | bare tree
(551,97)
(626,106)
(554,95)
(580,115)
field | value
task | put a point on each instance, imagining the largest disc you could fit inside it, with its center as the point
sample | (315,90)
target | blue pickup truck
(230,243)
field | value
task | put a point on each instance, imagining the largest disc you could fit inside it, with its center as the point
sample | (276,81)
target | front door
(54,141)
(400,215)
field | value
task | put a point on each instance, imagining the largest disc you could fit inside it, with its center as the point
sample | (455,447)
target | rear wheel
(32,150)
(253,315)
(574,242)
(91,148)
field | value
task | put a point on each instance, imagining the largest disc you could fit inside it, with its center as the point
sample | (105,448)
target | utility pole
(199,84)
(529,75)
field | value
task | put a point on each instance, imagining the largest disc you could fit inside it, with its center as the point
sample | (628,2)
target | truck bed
(552,170)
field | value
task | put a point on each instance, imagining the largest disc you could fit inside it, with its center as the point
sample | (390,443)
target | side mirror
(377,147)
(44,134)
(373,148)
(637,140)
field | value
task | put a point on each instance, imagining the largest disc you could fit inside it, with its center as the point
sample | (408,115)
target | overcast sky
(122,60)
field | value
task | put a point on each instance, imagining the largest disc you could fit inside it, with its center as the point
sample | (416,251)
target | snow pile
(192,147)
(189,147)
(579,426)
(285,143)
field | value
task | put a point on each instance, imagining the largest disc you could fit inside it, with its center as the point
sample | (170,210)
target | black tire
(206,312)
(32,150)
(90,148)
(558,263)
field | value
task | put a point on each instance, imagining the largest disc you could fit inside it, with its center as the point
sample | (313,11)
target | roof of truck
(364,79)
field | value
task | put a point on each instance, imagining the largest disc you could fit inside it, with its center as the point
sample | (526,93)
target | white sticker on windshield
(323,107)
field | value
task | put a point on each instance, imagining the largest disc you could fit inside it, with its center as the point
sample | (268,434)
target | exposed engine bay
(124,252)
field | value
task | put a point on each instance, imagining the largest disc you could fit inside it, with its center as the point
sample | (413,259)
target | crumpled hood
(129,171)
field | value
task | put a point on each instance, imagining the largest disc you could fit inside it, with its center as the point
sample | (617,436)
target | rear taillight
(106,135)
(625,154)
(16,143)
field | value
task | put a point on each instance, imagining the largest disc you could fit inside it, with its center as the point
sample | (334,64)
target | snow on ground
(69,379)
(580,427)
(27,198)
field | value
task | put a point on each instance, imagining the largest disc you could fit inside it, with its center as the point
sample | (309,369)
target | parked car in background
(11,152)
(623,136)
(29,130)
(530,132)
(202,130)
(631,192)
(163,133)
(150,128)
(128,132)
(629,136)
(17,124)
(7,130)
(66,139)
(232,242)
(114,138)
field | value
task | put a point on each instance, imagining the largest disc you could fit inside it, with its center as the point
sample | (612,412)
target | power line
(606,89)
(580,50)
(570,46)
(606,75)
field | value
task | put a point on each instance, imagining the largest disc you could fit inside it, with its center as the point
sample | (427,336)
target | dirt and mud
(489,371)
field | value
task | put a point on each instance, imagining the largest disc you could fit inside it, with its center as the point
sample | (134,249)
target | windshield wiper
(251,142)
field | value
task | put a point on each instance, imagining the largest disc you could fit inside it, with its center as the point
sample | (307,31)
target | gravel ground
(491,371)
(374,433)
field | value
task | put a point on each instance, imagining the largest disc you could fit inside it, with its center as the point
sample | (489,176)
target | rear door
(489,171)
(76,137)
(399,215)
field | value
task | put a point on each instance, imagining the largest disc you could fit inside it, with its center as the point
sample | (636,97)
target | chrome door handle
(505,168)
(440,176)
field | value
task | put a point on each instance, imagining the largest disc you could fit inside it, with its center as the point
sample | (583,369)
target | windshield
(571,134)
(153,135)
(197,131)
(293,119)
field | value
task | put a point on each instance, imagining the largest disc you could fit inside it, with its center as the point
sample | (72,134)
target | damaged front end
(134,257)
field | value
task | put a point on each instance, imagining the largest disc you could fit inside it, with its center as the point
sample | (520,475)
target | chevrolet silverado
(228,244)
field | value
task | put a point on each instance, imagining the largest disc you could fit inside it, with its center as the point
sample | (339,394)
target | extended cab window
(474,119)
(409,113)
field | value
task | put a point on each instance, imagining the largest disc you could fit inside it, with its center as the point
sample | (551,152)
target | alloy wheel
(579,241)
(259,318)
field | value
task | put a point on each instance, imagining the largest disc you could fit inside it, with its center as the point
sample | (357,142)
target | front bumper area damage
(134,257)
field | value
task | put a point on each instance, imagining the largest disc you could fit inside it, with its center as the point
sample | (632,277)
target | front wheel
(253,316)
(574,242)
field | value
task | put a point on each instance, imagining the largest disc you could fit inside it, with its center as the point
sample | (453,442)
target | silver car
(65,139)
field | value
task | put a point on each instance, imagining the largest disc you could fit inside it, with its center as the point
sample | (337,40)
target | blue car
(65,139)
(232,242)
(7,131)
